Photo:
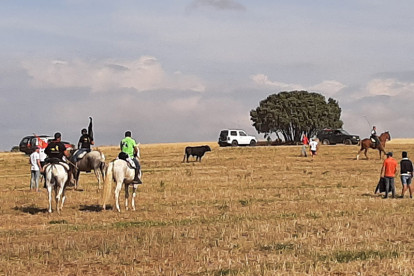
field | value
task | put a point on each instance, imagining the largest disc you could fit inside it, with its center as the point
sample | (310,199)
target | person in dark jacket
(406,173)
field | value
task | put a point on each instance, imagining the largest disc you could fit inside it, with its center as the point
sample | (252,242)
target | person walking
(35,169)
(406,172)
(305,142)
(388,171)
(313,145)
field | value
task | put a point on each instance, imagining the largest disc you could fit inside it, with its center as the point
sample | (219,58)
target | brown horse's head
(385,136)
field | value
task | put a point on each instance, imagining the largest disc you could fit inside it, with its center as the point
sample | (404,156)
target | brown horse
(367,143)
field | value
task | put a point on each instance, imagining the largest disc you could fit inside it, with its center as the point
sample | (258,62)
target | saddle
(57,161)
(80,156)
(124,156)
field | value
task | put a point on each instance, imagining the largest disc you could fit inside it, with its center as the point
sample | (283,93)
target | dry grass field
(241,211)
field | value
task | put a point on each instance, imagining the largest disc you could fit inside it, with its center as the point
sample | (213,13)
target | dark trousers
(389,185)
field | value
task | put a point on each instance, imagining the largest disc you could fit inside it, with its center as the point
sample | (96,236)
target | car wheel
(252,143)
(234,143)
(326,142)
(347,142)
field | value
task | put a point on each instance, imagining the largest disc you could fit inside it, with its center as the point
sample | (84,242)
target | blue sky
(174,71)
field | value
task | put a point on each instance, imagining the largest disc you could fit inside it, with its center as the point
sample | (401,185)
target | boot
(136,179)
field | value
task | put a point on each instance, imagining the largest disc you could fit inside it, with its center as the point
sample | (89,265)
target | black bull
(196,151)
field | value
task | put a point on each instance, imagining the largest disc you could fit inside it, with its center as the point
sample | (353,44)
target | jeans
(304,150)
(406,179)
(34,181)
(78,152)
(389,182)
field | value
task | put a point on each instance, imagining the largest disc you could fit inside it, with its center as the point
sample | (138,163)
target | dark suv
(337,136)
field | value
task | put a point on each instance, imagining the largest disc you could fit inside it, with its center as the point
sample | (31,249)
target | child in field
(313,146)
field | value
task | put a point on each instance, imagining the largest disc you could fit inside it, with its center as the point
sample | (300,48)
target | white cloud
(327,87)
(390,87)
(143,74)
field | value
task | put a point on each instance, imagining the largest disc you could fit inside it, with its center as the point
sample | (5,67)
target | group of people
(55,151)
(313,146)
(389,170)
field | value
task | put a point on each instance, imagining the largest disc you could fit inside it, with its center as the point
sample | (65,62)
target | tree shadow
(33,210)
(94,208)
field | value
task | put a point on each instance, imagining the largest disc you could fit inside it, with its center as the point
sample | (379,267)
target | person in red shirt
(305,142)
(388,171)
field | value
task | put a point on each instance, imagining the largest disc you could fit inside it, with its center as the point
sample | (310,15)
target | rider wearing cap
(56,150)
(129,146)
(374,136)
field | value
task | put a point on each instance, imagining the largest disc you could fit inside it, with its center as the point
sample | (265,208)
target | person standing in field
(388,171)
(313,146)
(35,168)
(305,142)
(406,172)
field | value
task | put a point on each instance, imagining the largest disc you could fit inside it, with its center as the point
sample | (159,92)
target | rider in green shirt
(129,146)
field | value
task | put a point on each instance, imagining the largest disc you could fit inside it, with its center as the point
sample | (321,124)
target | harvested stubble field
(241,211)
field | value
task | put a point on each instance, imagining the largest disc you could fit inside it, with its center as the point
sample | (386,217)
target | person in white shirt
(35,169)
(313,146)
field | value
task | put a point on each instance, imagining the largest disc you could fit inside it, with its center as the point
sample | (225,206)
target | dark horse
(367,143)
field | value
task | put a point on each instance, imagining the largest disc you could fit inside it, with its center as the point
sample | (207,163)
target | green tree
(291,114)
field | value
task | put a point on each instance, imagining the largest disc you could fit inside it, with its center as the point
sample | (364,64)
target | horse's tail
(102,156)
(107,186)
(102,169)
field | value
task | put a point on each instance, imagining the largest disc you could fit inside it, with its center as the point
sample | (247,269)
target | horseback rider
(84,145)
(56,150)
(129,146)
(374,136)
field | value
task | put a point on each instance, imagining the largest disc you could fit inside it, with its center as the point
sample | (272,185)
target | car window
(25,140)
(224,133)
(242,133)
(233,133)
(345,132)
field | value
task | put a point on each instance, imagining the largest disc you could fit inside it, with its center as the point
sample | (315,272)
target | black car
(337,136)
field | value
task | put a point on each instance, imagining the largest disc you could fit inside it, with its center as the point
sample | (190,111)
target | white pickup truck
(236,137)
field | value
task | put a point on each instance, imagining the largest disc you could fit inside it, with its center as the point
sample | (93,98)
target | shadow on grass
(93,208)
(33,210)
(372,195)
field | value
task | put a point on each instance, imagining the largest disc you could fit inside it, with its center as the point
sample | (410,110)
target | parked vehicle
(28,143)
(236,137)
(337,136)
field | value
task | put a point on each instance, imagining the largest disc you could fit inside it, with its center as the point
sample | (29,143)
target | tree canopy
(294,113)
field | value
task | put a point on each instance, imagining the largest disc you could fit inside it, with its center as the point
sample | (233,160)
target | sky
(180,71)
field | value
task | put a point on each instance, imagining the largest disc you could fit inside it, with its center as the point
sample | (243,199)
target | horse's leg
(359,153)
(77,178)
(134,194)
(57,198)
(49,191)
(126,196)
(98,176)
(117,192)
(62,194)
(366,153)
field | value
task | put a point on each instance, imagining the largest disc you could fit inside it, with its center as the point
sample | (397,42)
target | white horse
(56,177)
(120,172)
